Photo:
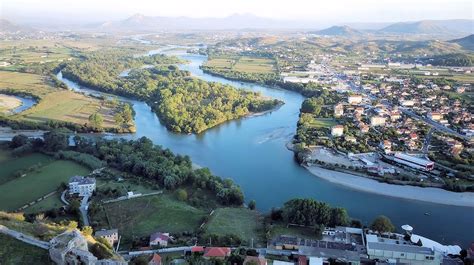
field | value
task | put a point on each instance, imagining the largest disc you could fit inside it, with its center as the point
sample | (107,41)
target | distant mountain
(431,27)
(466,42)
(7,26)
(139,22)
(338,31)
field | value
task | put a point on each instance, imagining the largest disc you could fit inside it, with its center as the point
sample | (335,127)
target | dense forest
(183,103)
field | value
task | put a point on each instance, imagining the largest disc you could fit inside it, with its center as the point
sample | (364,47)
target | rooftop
(82,180)
(106,232)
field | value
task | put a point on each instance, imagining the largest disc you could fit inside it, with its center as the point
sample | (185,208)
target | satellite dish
(407,228)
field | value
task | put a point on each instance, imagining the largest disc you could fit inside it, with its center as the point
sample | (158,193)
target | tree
(101,251)
(54,141)
(252,204)
(127,113)
(382,224)
(339,217)
(18,140)
(182,194)
(96,120)
(312,105)
(87,231)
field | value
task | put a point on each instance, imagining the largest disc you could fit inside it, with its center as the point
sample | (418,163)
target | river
(252,152)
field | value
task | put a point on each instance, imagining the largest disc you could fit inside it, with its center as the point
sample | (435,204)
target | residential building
(159,239)
(111,235)
(337,130)
(338,110)
(399,251)
(83,186)
(217,252)
(377,121)
(414,162)
(436,116)
(354,99)
(155,260)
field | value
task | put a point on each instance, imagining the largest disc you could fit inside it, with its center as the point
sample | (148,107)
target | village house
(155,260)
(83,186)
(159,239)
(354,99)
(111,235)
(216,253)
(338,110)
(377,121)
(436,116)
(337,130)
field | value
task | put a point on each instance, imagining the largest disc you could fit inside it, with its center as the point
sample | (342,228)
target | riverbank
(433,195)
(9,103)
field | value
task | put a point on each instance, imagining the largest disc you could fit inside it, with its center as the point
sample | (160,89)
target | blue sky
(316,10)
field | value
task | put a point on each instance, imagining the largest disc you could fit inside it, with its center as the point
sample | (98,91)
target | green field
(142,216)
(37,183)
(243,64)
(14,252)
(52,202)
(73,107)
(323,123)
(242,222)
(11,166)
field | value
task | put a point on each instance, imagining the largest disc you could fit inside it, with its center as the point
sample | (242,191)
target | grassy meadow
(243,64)
(40,175)
(14,252)
(72,107)
(141,217)
(242,222)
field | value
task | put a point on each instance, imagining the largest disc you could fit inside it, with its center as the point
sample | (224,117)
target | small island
(183,103)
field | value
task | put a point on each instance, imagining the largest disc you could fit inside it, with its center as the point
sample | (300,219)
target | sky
(311,10)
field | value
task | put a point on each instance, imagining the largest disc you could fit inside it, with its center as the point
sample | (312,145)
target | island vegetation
(184,104)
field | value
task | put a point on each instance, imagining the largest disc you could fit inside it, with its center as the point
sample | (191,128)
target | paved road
(426,144)
(83,208)
(63,197)
(25,238)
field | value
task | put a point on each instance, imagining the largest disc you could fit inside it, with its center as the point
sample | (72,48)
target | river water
(252,152)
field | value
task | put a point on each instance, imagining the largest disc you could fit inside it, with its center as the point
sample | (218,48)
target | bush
(182,194)
(101,251)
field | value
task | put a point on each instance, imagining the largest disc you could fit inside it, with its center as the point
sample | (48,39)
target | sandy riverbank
(433,195)
(9,103)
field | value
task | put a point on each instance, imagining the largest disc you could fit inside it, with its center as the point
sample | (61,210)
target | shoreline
(431,195)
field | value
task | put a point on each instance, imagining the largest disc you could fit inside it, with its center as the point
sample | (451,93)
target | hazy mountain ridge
(8,26)
(338,31)
(430,27)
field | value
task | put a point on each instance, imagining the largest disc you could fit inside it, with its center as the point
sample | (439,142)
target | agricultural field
(42,177)
(140,217)
(323,123)
(14,252)
(242,222)
(243,64)
(8,103)
(73,107)
(52,202)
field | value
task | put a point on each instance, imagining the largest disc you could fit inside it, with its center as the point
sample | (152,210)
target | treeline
(142,158)
(183,103)
(455,59)
(138,158)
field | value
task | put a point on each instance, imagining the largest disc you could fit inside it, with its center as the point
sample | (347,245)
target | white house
(159,239)
(337,130)
(83,186)
(377,121)
(354,99)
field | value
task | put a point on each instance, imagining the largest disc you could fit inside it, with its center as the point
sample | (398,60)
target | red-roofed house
(156,260)
(159,239)
(197,249)
(216,252)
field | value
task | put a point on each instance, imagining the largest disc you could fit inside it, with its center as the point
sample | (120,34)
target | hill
(430,27)
(338,31)
(140,22)
(466,42)
(8,26)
